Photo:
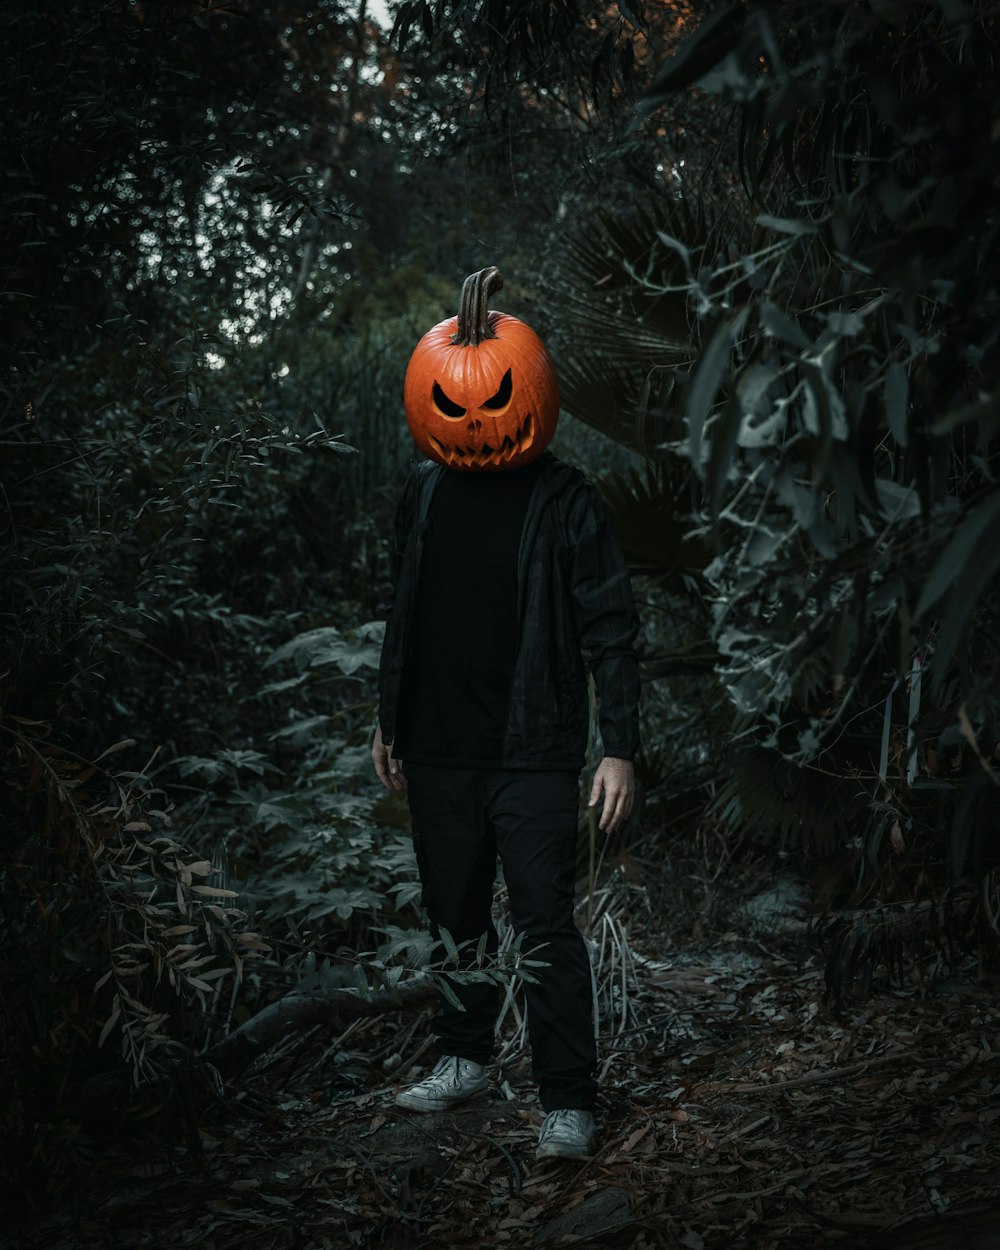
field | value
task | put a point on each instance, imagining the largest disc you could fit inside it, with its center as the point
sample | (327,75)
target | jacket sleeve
(606,621)
(401,528)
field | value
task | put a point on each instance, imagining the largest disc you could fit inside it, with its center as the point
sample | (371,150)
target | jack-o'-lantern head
(481,389)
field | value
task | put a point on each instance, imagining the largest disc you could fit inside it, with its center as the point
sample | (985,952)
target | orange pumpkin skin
(481,405)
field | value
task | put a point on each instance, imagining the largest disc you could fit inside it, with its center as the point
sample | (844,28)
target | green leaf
(975,582)
(390,981)
(448,993)
(985,411)
(845,325)
(718,35)
(724,436)
(301,732)
(449,945)
(968,806)
(327,645)
(984,518)
(897,503)
(895,395)
(631,15)
(823,414)
(786,225)
(780,326)
(361,981)
(677,246)
(707,379)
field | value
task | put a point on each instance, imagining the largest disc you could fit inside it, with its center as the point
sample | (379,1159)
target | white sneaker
(566,1134)
(453,1080)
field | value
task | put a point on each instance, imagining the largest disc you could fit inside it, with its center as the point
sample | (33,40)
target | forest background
(762,244)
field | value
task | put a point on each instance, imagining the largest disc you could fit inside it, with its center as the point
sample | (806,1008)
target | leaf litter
(737,1109)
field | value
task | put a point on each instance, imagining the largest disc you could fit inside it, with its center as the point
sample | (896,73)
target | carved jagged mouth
(477,457)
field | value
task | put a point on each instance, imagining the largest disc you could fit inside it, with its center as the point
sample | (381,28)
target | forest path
(740,1113)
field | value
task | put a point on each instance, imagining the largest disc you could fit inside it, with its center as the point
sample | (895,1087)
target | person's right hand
(387,767)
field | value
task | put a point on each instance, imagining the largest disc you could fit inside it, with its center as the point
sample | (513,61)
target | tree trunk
(108,1092)
(301,1010)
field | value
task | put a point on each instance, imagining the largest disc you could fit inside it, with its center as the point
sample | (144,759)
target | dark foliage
(764,250)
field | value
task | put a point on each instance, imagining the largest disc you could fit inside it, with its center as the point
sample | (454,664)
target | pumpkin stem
(473,323)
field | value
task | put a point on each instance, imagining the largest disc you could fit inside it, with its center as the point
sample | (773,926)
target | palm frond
(648,510)
(621,403)
(766,796)
(623,283)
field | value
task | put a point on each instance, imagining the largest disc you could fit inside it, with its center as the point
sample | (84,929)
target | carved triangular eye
(502,398)
(446,405)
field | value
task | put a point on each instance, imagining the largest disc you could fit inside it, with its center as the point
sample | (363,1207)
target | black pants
(461,819)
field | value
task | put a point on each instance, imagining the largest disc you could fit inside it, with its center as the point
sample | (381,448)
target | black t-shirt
(456,683)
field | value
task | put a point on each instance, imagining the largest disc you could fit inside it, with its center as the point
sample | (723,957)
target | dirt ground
(738,1109)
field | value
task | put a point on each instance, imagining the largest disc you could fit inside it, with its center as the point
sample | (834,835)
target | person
(505,583)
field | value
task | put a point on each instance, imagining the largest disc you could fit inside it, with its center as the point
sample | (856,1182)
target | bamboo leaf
(118,746)
(449,945)
(449,994)
(110,1023)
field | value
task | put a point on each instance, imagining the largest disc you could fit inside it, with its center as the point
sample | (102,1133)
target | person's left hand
(617,779)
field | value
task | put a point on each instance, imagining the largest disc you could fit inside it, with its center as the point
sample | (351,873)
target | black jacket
(574,599)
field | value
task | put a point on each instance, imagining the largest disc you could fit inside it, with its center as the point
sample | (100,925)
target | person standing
(507,576)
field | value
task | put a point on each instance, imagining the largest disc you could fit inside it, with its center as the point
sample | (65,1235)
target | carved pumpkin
(481,389)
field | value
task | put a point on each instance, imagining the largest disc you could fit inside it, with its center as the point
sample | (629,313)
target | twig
(515,1171)
(810,1078)
(424,1045)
